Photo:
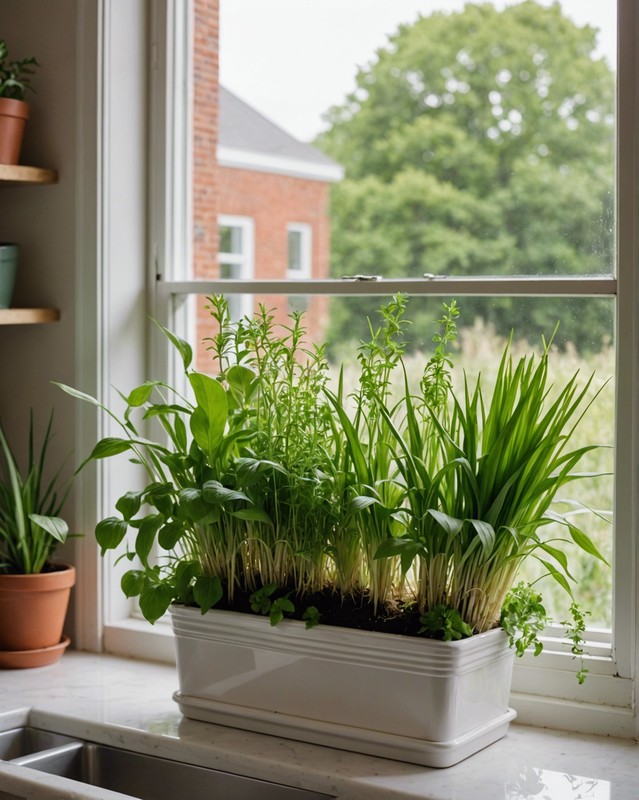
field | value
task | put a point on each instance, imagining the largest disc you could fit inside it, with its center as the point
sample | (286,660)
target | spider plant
(30,504)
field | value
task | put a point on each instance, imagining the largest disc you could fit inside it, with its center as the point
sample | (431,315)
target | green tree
(478,142)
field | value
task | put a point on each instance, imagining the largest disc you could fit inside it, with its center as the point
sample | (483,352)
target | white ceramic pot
(418,700)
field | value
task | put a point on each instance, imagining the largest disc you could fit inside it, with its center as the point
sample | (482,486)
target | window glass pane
(295,251)
(230,239)
(476,354)
(473,139)
(298,303)
(230,271)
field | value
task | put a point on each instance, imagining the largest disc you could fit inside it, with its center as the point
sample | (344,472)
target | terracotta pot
(33,608)
(13,117)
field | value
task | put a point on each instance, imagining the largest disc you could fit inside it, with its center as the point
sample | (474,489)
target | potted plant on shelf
(15,82)
(373,537)
(34,591)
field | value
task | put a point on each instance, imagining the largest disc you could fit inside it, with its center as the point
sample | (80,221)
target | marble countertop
(129,704)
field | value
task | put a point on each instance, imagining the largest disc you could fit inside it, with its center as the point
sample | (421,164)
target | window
(454,238)
(236,258)
(299,251)
(299,263)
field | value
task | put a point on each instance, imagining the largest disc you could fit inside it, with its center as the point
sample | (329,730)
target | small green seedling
(444,622)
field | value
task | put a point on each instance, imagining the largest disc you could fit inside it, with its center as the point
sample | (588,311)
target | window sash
(242,260)
(374,285)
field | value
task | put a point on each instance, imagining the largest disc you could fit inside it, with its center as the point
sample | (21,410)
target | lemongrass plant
(481,474)
(30,505)
(263,483)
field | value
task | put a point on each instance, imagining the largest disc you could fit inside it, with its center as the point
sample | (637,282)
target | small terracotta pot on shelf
(13,118)
(32,613)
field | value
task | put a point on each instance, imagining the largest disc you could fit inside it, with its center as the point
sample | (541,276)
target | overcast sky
(293,59)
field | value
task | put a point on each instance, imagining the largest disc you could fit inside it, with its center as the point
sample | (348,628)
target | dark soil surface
(355,612)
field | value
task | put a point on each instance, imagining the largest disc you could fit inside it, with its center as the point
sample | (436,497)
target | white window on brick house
(299,260)
(236,258)
(300,255)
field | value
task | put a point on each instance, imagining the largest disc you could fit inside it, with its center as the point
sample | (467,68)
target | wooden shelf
(28,316)
(16,174)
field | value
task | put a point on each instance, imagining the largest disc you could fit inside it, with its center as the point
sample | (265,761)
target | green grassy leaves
(31,501)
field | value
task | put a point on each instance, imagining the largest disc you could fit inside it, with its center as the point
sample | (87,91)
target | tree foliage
(479,142)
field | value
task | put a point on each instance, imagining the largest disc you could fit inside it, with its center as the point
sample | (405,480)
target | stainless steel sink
(22,741)
(137,775)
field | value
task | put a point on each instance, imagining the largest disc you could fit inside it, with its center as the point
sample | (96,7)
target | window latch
(361,277)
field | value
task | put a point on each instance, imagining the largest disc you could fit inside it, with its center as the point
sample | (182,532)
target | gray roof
(241,126)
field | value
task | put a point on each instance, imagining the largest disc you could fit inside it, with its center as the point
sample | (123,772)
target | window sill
(136,638)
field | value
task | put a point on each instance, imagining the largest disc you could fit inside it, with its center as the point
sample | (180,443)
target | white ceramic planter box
(418,700)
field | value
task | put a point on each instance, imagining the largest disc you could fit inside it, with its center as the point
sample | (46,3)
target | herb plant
(15,76)
(479,497)
(267,484)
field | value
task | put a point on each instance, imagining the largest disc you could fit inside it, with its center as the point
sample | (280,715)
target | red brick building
(260,196)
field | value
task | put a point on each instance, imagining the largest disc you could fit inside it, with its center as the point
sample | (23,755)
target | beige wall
(43,221)
(84,243)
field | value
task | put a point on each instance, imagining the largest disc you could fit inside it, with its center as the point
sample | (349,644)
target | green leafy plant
(260,599)
(574,630)
(480,478)
(311,617)
(236,486)
(416,500)
(15,76)
(263,602)
(30,505)
(443,622)
(524,617)
(363,457)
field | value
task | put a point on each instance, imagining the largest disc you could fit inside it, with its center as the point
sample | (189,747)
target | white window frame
(306,251)
(133,219)
(545,690)
(246,259)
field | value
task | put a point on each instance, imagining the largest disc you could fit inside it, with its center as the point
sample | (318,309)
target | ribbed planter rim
(349,645)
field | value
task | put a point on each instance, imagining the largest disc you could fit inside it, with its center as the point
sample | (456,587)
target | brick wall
(205,171)
(205,105)
(271,200)
(274,201)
